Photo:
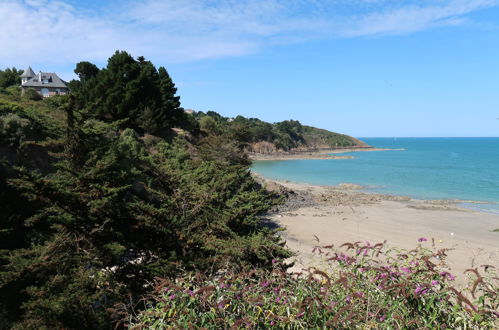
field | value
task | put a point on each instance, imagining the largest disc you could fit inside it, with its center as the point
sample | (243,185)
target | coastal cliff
(259,138)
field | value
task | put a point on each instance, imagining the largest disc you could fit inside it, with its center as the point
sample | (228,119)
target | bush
(15,91)
(209,125)
(31,94)
(365,286)
(14,130)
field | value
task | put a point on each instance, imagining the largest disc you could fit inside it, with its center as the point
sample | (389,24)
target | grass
(361,286)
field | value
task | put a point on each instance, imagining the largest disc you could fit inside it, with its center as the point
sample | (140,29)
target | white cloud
(52,31)
(412,18)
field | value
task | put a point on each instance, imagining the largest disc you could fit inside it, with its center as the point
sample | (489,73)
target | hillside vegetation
(100,196)
(120,209)
(255,135)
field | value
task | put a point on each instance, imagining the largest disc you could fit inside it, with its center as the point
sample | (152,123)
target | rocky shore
(324,153)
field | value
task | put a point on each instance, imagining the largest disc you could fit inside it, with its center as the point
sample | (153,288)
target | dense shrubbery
(94,209)
(32,95)
(285,135)
(365,286)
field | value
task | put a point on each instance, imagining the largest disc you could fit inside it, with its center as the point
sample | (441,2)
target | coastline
(344,213)
(312,154)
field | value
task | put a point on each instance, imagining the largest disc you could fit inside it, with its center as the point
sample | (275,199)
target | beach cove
(323,215)
(337,208)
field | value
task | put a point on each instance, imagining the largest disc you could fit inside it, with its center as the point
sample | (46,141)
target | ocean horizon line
(424,137)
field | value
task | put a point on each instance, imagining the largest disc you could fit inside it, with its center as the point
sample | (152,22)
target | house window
(45,92)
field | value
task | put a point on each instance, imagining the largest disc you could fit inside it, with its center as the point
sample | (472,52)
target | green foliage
(139,215)
(324,137)
(209,125)
(371,287)
(113,209)
(10,77)
(86,70)
(285,135)
(33,123)
(14,91)
(131,90)
(14,130)
(31,94)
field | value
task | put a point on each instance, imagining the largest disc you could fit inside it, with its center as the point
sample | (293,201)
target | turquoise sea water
(428,168)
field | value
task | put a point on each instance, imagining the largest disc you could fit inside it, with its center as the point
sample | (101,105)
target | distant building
(46,83)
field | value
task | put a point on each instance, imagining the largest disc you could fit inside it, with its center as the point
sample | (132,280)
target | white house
(46,83)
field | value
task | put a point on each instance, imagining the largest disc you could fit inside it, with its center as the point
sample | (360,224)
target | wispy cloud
(411,18)
(51,31)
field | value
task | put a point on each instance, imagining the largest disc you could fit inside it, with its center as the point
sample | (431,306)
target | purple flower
(420,290)
(272,323)
(274,261)
(382,318)
(265,284)
(277,299)
(422,239)
(405,269)
(172,297)
(448,275)
(348,298)
(434,282)
(300,315)
(223,286)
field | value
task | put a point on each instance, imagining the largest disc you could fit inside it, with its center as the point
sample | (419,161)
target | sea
(466,169)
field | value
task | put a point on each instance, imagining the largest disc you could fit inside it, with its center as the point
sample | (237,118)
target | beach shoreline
(314,154)
(321,215)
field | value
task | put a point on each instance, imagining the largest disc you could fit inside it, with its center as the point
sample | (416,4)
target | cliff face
(312,140)
(263,147)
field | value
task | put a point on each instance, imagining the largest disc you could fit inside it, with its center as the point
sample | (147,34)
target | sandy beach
(335,215)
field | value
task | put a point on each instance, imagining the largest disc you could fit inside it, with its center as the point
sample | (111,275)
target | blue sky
(360,67)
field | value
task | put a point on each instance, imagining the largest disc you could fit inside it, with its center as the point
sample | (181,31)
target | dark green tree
(86,70)
(10,77)
(130,90)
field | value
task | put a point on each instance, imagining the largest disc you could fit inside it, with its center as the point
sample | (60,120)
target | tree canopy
(130,90)
(10,77)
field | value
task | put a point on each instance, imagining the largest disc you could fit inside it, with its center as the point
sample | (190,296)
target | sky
(367,68)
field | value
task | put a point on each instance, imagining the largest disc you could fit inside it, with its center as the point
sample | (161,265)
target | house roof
(28,73)
(53,81)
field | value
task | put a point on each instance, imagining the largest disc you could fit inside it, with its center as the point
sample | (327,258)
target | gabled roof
(54,81)
(28,73)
